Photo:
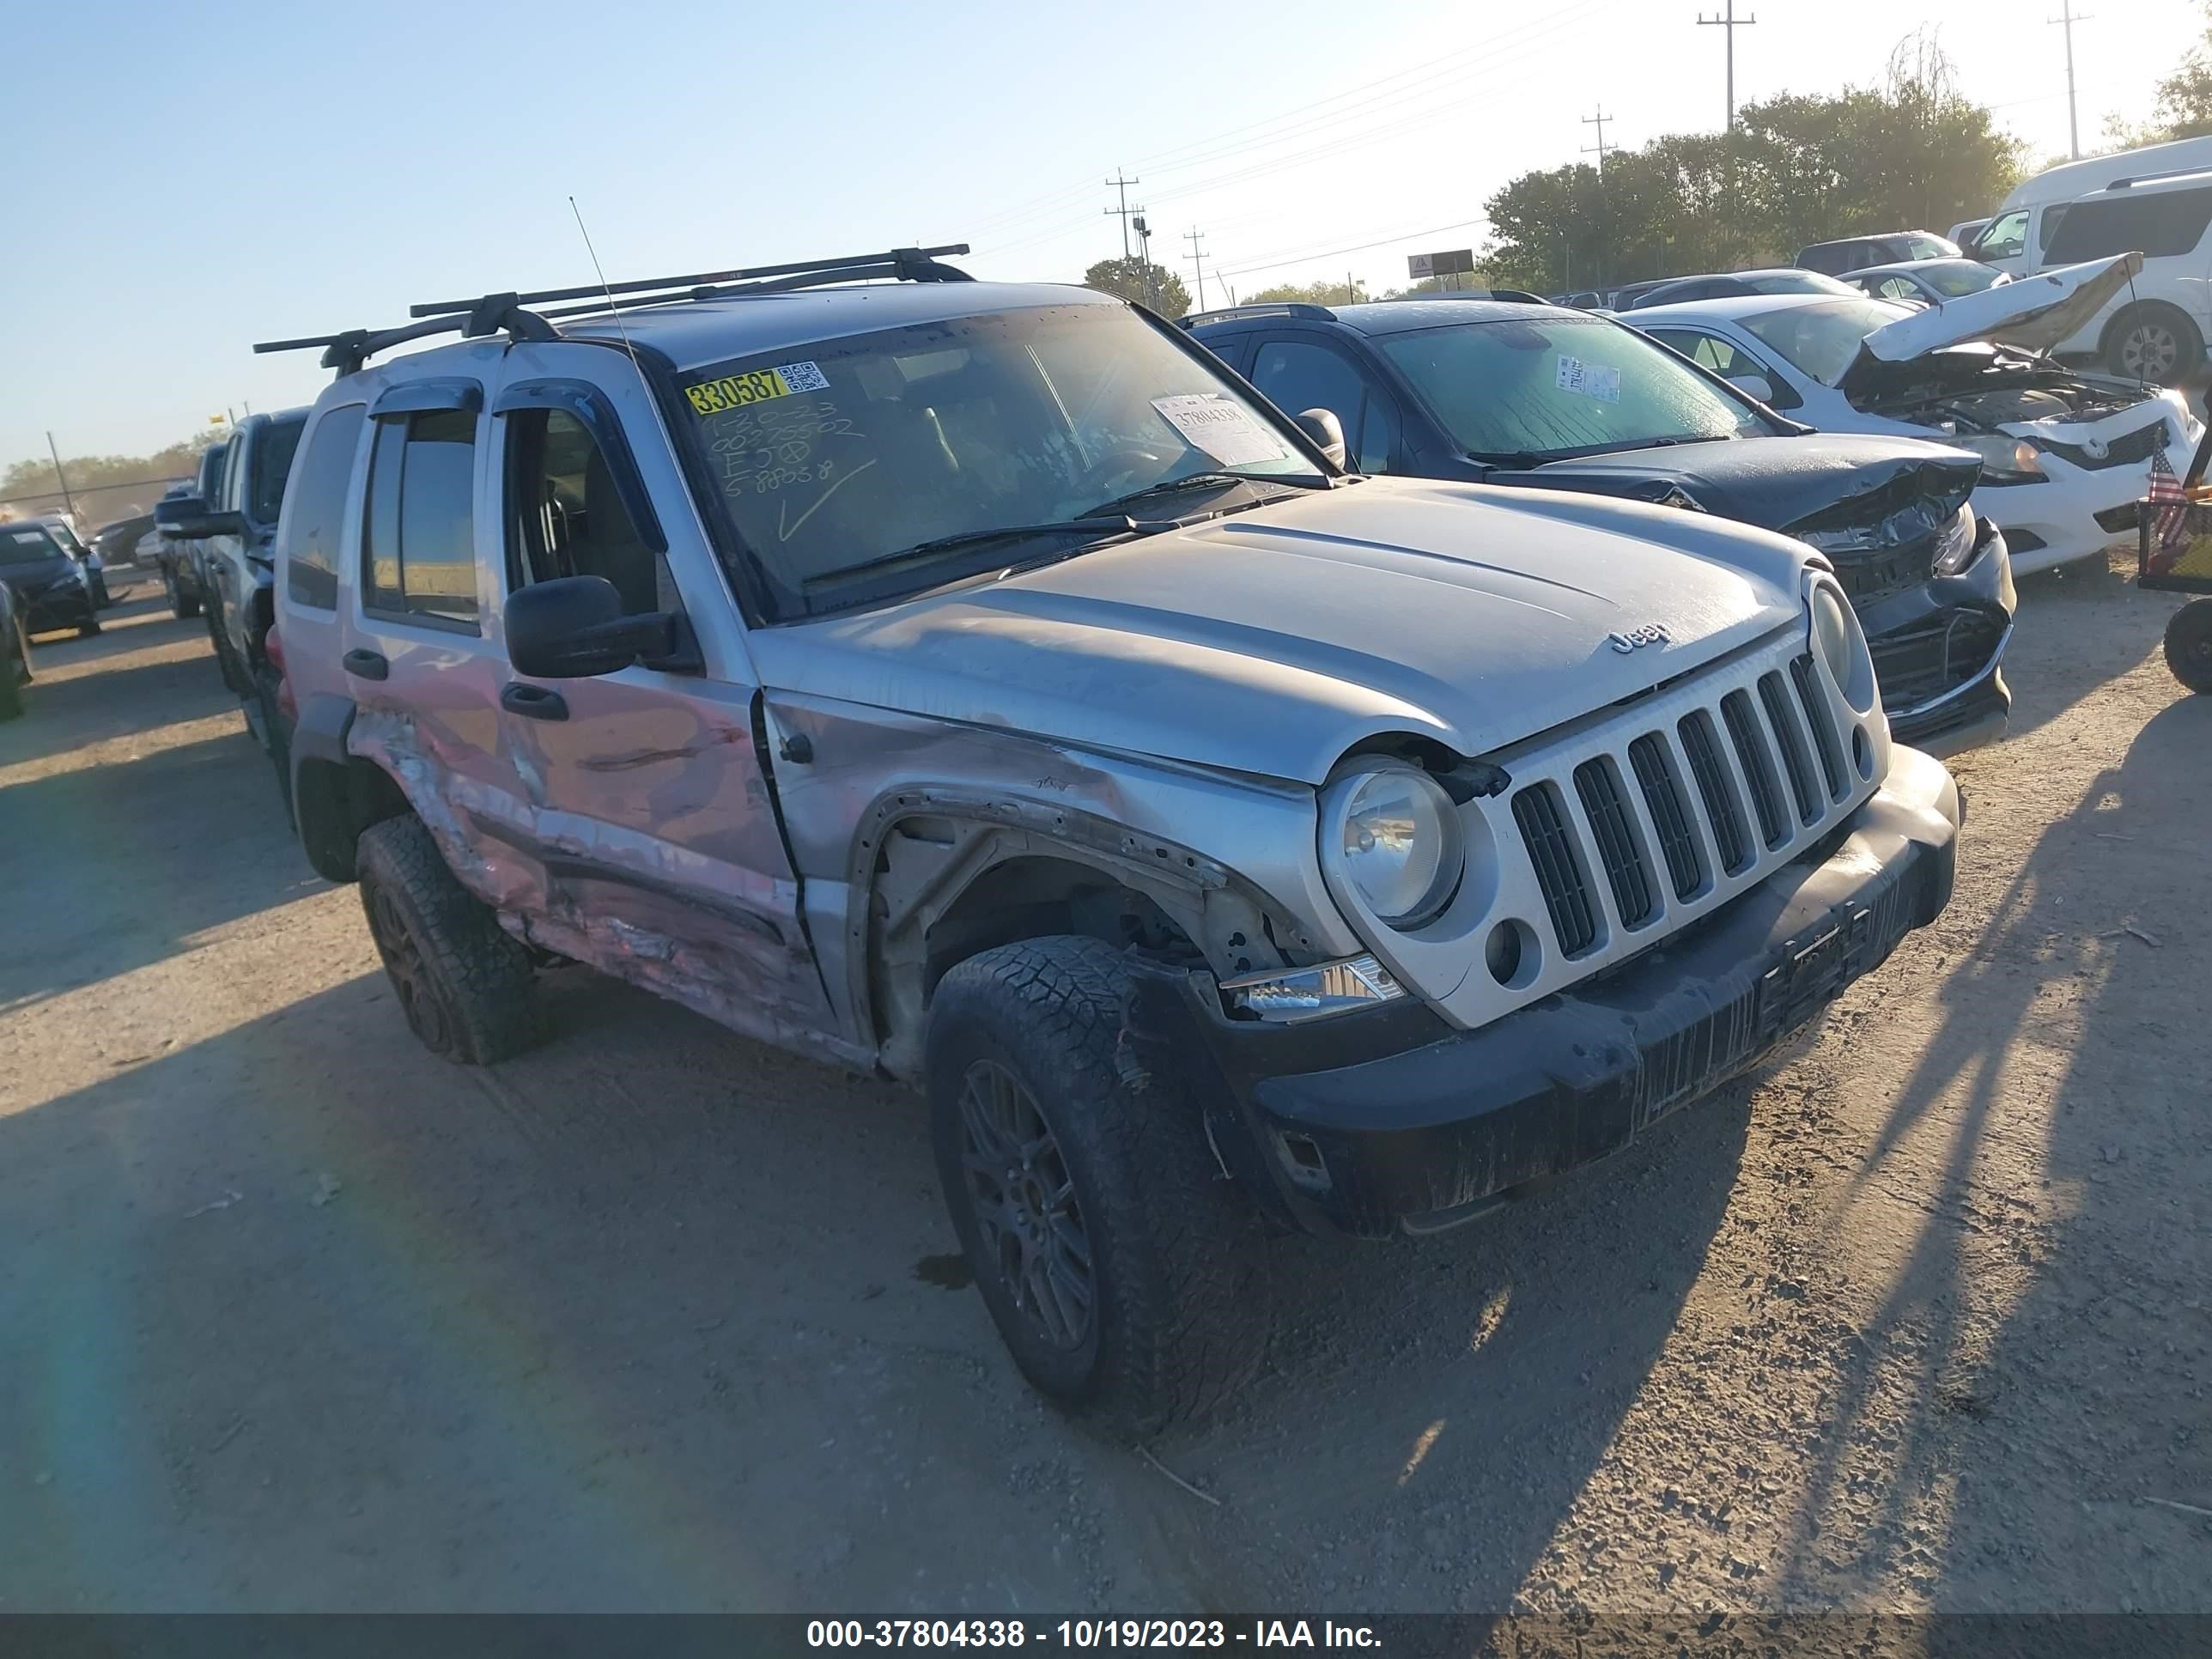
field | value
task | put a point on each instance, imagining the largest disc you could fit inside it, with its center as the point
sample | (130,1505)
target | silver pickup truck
(981,684)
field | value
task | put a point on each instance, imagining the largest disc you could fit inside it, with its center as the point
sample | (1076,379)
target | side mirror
(190,518)
(573,627)
(1326,431)
(1752,386)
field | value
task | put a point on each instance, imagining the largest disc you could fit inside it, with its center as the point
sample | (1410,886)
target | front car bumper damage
(1390,1119)
(1938,652)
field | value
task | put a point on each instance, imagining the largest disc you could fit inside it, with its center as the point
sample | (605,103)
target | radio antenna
(602,274)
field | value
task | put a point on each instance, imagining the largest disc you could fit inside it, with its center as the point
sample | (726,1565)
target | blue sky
(250,170)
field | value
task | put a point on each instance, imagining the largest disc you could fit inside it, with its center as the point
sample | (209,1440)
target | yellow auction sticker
(754,386)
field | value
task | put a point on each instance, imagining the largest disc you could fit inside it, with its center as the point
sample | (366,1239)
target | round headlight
(1836,638)
(1401,844)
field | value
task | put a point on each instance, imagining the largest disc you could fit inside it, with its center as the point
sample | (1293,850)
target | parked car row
(1226,817)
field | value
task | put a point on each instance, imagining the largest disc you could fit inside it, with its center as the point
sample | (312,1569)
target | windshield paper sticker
(1589,379)
(756,386)
(1224,430)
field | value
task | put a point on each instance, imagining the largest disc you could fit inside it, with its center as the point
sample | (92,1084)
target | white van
(2156,328)
(2016,239)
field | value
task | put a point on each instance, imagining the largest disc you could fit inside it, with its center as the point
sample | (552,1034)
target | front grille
(1618,852)
(2137,447)
(1662,797)
(1703,745)
(1795,759)
(1940,654)
(1543,820)
(1639,820)
(1757,765)
(1821,719)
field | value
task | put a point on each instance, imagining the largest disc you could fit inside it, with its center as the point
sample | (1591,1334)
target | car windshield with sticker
(1564,386)
(848,453)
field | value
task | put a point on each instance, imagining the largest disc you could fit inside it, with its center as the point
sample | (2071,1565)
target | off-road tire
(2188,345)
(2188,646)
(180,606)
(463,981)
(1179,1310)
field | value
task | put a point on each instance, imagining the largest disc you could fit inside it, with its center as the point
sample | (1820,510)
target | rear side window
(318,497)
(2160,224)
(418,546)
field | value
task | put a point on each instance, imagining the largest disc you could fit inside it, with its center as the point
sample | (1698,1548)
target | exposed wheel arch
(2118,344)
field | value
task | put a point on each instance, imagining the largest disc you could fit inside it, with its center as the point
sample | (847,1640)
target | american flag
(2169,508)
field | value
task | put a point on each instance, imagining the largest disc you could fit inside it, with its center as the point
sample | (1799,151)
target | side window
(2159,225)
(2005,237)
(565,517)
(210,483)
(418,546)
(1296,376)
(1896,288)
(233,469)
(311,550)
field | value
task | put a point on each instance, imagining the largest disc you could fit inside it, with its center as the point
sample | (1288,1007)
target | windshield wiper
(1189,481)
(1508,457)
(1090,524)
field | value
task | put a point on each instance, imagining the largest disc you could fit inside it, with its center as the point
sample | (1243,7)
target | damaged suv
(974,683)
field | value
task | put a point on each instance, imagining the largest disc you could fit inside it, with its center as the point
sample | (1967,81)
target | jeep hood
(2032,313)
(1846,485)
(1271,641)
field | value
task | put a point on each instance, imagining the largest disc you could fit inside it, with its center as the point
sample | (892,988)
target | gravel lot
(292,1315)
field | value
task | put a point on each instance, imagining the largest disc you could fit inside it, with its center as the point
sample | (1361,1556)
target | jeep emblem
(1636,638)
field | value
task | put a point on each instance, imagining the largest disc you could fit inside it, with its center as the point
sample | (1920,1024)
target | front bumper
(1389,1119)
(67,605)
(1938,652)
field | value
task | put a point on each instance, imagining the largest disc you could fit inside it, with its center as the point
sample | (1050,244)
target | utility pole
(60,477)
(1599,148)
(1731,23)
(1198,261)
(2068,17)
(1125,210)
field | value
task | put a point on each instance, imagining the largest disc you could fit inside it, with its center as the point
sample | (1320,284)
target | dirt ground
(292,1315)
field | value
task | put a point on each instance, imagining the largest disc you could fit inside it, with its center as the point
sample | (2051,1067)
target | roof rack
(912,264)
(1286,308)
(348,350)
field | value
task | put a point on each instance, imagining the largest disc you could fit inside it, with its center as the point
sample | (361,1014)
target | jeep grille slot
(1662,796)
(1541,813)
(1758,767)
(1819,716)
(1599,786)
(1789,738)
(1701,744)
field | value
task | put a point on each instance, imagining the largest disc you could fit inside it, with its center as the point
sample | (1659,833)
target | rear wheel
(88,626)
(463,981)
(1122,1269)
(2153,342)
(2189,645)
(181,604)
(15,671)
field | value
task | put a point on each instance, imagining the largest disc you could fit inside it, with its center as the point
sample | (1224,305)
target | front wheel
(2153,342)
(15,673)
(88,626)
(2189,645)
(1122,1268)
(182,605)
(463,981)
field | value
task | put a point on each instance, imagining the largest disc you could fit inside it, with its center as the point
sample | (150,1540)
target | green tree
(103,487)
(1141,284)
(1910,152)
(1348,293)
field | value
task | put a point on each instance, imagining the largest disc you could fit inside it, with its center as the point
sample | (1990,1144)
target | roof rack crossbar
(915,259)
(1265,308)
(603,306)
(348,350)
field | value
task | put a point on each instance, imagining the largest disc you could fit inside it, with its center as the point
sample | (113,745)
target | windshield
(1951,278)
(1796,281)
(27,543)
(847,453)
(1822,339)
(272,464)
(1567,385)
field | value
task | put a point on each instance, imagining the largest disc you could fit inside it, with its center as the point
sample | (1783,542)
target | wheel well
(335,802)
(1037,897)
(2136,308)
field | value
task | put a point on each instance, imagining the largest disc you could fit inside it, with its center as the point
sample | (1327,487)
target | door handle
(532,702)
(366,664)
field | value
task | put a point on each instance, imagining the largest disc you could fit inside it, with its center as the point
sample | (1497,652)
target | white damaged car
(2065,453)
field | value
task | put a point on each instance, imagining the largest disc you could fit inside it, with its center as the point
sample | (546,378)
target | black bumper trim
(1411,1125)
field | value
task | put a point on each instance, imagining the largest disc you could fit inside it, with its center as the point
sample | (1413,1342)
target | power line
(1272,262)
(1198,261)
(1730,23)
(2066,16)
(1122,212)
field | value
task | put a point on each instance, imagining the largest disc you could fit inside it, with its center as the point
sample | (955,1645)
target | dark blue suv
(1536,396)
